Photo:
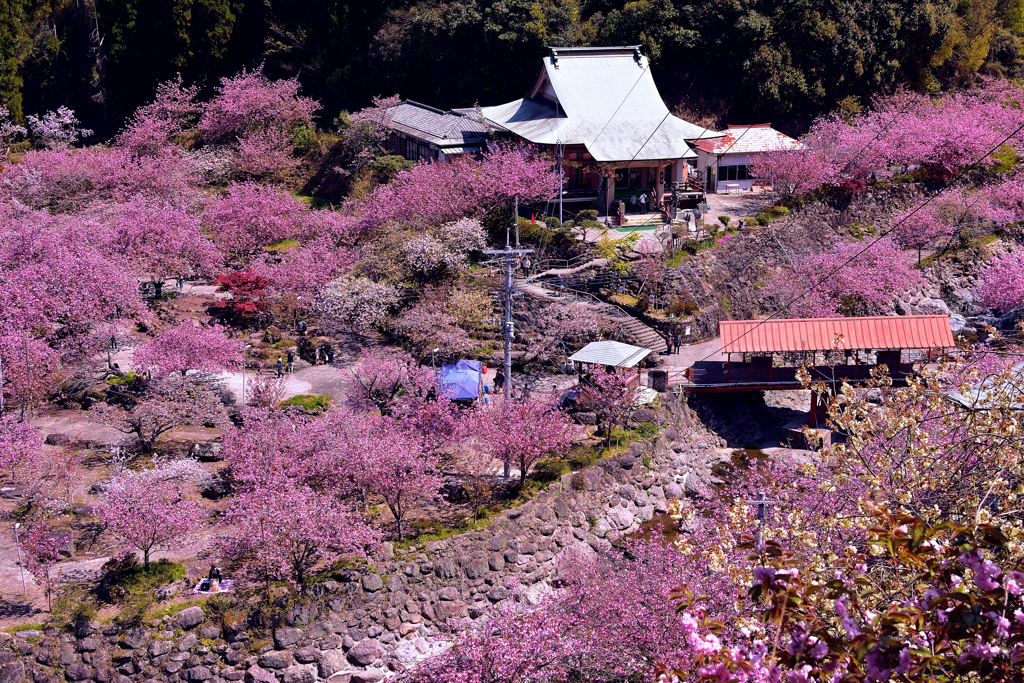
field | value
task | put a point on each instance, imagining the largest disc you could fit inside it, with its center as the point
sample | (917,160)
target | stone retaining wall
(366,625)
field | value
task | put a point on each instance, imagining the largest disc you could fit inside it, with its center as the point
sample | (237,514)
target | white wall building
(724,162)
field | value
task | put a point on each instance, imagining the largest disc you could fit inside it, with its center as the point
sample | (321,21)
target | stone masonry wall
(373,623)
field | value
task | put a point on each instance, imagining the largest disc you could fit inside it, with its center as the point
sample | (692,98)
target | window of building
(727,173)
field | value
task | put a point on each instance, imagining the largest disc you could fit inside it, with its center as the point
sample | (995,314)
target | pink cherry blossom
(187,347)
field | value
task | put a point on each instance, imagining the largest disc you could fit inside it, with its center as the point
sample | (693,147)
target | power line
(884,234)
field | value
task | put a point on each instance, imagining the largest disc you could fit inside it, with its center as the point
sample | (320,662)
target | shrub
(682,308)
(552,222)
(120,380)
(777,211)
(130,575)
(587,215)
(309,402)
(550,470)
(724,220)
(762,218)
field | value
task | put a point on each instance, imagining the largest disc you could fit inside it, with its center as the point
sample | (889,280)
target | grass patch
(624,300)
(126,378)
(171,610)
(134,577)
(24,627)
(282,246)
(637,228)
(310,402)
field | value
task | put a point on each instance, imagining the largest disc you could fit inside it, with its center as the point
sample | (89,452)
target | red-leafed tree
(249,293)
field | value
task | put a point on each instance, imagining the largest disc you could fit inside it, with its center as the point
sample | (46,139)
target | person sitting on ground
(214,578)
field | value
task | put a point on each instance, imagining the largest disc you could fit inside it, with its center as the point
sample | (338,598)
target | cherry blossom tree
(265,391)
(356,304)
(1002,283)
(165,404)
(852,278)
(57,129)
(251,216)
(434,194)
(428,325)
(792,172)
(59,283)
(55,474)
(609,396)
(380,377)
(558,325)
(172,112)
(148,513)
(8,129)
(286,531)
(397,466)
(260,117)
(42,548)
(32,372)
(187,347)
(20,444)
(163,242)
(523,432)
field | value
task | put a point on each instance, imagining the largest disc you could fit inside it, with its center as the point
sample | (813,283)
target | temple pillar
(660,172)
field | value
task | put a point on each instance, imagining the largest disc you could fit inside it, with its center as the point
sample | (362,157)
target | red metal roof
(820,334)
(748,140)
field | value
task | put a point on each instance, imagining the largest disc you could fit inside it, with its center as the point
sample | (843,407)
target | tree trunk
(145,560)
(522,476)
(507,469)
(158,288)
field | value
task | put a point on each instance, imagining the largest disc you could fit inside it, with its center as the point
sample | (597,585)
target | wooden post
(812,420)
(728,363)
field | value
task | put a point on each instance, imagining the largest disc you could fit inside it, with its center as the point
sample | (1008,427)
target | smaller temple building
(724,163)
(419,132)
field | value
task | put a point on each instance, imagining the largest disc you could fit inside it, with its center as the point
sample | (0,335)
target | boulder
(957,323)
(932,307)
(78,672)
(136,637)
(57,439)
(673,491)
(331,662)
(365,652)
(286,637)
(196,674)
(13,672)
(621,518)
(207,451)
(190,618)
(255,674)
(275,659)
(300,673)
(372,582)
(368,676)
(406,653)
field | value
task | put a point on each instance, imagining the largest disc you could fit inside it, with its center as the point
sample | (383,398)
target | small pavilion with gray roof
(600,108)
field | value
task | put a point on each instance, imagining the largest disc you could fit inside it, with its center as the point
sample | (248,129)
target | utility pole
(508,258)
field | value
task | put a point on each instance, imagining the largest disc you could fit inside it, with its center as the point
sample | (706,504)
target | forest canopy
(780,60)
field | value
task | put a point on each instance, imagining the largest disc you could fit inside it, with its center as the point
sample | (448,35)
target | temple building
(724,163)
(601,111)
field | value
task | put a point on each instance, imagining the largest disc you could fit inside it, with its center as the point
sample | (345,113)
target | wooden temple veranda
(764,355)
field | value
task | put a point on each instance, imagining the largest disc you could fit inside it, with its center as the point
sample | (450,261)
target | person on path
(291,361)
(668,344)
(643,202)
(632,203)
(280,367)
(318,355)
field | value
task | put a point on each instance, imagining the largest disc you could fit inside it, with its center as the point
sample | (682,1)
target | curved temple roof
(604,99)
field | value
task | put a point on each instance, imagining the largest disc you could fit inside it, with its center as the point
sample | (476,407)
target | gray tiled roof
(604,99)
(459,127)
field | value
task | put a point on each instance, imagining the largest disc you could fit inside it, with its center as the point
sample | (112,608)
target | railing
(722,374)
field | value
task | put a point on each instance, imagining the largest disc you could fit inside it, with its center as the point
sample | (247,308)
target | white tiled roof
(611,353)
(604,99)
(748,140)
